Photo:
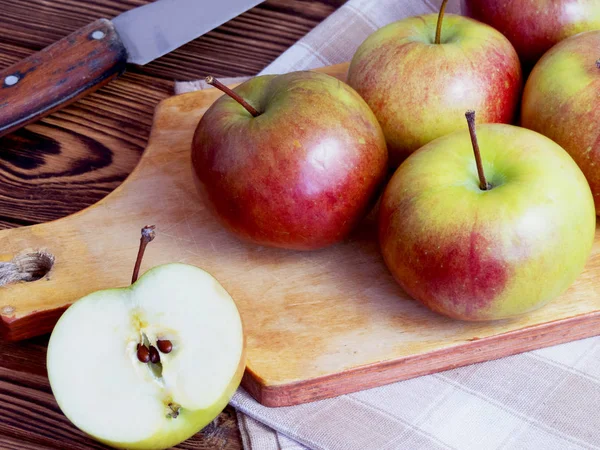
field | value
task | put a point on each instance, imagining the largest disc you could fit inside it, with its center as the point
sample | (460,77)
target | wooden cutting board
(318,324)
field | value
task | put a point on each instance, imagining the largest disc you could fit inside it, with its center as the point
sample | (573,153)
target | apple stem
(438,28)
(147,236)
(220,86)
(483,184)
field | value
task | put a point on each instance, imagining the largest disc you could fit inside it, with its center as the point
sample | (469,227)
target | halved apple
(98,376)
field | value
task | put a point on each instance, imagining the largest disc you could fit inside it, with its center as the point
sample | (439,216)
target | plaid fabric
(336,39)
(546,399)
(542,400)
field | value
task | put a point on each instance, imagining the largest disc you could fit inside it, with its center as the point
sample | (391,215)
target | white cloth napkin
(336,39)
(542,400)
(545,399)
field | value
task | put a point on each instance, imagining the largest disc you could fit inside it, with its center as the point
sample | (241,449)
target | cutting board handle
(37,262)
(60,74)
(26,266)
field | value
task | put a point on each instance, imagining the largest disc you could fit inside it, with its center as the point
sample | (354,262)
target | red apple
(561,101)
(419,89)
(533,26)
(492,253)
(299,175)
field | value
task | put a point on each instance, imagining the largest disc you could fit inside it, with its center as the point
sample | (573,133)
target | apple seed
(153,354)
(164,345)
(143,354)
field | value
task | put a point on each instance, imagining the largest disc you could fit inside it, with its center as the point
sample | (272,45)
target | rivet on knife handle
(60,74)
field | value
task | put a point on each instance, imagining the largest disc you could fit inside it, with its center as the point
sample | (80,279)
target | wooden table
(76,163)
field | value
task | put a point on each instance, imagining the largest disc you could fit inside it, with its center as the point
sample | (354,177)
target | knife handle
(60,74)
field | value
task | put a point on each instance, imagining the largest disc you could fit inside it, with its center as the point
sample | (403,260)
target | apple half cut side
(102,386)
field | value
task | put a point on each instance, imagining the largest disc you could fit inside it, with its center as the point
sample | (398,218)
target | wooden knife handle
(60,74)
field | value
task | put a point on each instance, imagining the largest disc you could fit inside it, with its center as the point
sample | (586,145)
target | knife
(94,55)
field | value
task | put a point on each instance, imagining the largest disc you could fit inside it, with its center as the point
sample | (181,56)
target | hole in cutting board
(28,266)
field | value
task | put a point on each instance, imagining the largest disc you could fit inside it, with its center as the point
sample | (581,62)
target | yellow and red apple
(419,89)
(561,101)
(482,254)
(533,26)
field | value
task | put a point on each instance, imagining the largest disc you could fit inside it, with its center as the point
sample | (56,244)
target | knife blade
(94,55)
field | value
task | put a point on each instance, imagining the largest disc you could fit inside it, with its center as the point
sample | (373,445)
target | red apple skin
(420,90)
(533,26)
(299,176)
(561,101)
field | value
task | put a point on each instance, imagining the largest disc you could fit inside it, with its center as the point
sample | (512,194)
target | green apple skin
(534,26)
(168,433)
(299,176)
(420,90)
(561,101)
(479,255)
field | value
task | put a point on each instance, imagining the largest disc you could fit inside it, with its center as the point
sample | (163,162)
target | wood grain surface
(74,165)
(317,324)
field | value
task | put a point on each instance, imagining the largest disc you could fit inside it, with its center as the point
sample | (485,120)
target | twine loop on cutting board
(29,266)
